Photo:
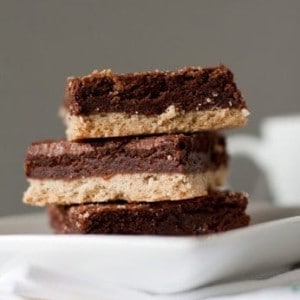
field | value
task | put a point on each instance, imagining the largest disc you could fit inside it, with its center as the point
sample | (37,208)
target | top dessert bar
(105,104)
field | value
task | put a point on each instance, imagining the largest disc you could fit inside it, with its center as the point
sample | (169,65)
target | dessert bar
(215,212)
(152,168)
(105,104)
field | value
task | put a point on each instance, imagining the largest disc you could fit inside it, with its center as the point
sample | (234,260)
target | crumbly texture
(130,187)
(215,212)
(151,93)
(168,122)
(181,153)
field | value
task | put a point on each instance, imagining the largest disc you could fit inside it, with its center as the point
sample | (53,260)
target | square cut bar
(154,168)
(215,212)
(105,104)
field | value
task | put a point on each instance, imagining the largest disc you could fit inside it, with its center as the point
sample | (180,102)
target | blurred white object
(23,281)
(277,153)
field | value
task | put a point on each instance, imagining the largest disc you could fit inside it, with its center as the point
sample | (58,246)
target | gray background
(43,42)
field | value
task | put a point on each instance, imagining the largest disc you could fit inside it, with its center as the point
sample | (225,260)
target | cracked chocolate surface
(151,93)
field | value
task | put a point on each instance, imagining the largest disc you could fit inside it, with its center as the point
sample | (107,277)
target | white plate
(157,264)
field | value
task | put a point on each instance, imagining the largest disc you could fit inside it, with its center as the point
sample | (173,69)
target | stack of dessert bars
(143,155)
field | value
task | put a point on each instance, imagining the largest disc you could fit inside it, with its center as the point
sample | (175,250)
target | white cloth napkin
(22,281)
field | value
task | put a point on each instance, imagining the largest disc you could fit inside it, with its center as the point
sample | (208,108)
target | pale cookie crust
(145,187)
(171,121)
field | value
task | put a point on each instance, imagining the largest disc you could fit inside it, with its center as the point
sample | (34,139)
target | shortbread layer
(149,187)
(170,121)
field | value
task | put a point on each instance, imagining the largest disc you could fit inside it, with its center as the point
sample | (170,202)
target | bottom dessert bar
(215,212)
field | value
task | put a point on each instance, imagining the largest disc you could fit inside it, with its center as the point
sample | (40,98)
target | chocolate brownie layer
(160,154)
(216,212)
(151,93)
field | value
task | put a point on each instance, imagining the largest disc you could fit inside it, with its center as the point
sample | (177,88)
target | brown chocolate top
(105,157)
(218,211)
(151,93)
